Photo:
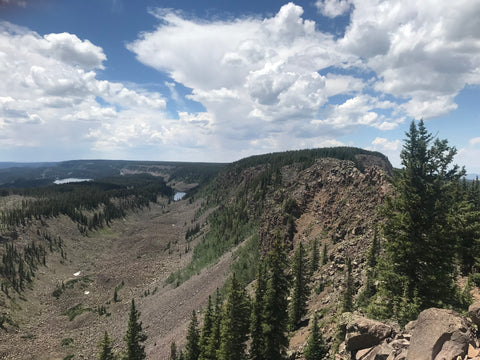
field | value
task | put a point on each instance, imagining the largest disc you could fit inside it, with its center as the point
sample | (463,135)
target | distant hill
(8,164)
(37,174)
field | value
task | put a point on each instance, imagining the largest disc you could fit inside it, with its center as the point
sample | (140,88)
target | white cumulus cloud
(333,8)
(50,94)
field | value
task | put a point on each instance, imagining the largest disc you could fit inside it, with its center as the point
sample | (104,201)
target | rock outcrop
(437,334)
(440,334)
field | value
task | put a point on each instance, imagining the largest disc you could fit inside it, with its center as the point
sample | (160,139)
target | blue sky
(221,80)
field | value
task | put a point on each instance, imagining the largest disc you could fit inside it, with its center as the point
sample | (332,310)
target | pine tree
(135,336)
(347,303)
(276,303)
(257,346)
(173,351)
(301,289)
(325,254)
(214,341)
(315,259)
(315,349)
(206,334)
(192,350)
(106,348)
(235,323)
(420,232)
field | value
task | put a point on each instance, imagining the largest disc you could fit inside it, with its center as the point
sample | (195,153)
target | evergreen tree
(325,254)
(173,351)
(235,323)
(420,232)
(257,345)
(276,303)
(315,349)
(372,260)
(347,303)
(315,259)
(301,289)
(192,350)
(135,336)
(106,348)
(206,334)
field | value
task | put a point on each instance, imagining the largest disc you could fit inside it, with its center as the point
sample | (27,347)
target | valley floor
(135,256)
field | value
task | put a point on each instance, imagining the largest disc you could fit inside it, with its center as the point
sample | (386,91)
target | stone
(473,352)
(362,333)
(439,334)
(380,352)
(474,312)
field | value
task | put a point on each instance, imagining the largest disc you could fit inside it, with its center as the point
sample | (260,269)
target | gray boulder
(439,334)
(362,333)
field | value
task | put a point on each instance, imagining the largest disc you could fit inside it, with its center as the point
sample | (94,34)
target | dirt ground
(134,255)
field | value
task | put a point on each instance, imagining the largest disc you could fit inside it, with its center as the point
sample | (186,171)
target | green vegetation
(305,157)
(92,205)
(74,311)
(234,326)
(426,230)
(315,349)
(134,336)
(106,348)
(192,349)
(67,341)
(300,288)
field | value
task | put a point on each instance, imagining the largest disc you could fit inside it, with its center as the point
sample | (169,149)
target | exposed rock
(474,312)
(362,333)
(439,335)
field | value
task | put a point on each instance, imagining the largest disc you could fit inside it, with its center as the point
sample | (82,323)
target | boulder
(474,312)
(362,333)
(439,334)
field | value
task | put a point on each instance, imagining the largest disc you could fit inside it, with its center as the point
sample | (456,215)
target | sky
(219,80)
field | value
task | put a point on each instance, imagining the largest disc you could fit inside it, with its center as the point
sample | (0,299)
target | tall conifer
(421,238)
(301,289)
(257,346)
(276,303)
(192,350)
(135,336)
(315,349)
(235,323)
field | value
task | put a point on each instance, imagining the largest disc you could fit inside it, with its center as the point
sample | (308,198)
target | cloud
(50,93)
(258,78)
(390,148)
(417,52)
(475,141)
(333,8)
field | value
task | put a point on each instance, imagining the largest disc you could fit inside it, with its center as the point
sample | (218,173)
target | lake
(70,180)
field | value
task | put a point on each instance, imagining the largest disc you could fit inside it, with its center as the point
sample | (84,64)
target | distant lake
(179,196)
(70,180)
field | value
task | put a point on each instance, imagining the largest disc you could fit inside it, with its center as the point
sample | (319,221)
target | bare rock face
(474,312)
(439,334)
(363,333)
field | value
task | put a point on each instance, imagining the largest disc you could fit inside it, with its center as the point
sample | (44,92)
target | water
(70,180)
(179,196)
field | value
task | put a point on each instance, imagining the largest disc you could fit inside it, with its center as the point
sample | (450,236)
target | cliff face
(336,203)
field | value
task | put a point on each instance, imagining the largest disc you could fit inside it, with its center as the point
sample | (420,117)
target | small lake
(70,180)
(179,196)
